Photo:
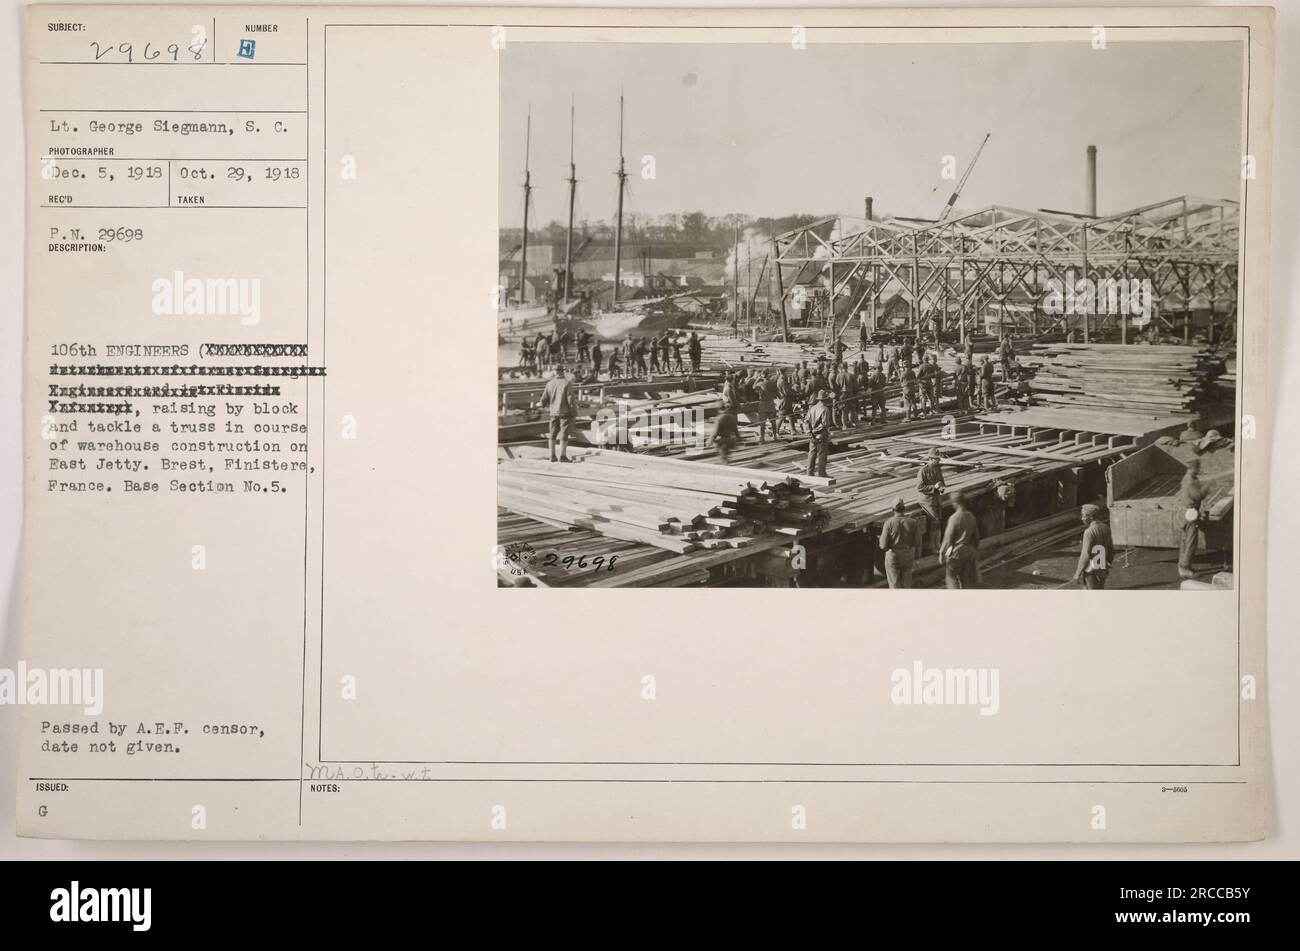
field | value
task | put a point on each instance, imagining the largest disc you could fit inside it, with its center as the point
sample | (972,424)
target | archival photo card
(365,344)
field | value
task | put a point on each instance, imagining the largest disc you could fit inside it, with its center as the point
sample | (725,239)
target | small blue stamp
(247,48)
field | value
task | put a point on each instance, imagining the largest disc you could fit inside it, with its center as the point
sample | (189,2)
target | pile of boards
(671,504)
(1135,379)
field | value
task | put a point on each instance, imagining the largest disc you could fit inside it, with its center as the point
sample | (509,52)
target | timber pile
(1137,379)
(869,473)
(670,504)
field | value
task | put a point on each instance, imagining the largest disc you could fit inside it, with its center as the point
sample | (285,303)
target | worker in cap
(1191,493)
(877,382)
(961,385)
(988,389)
(909,390)
(930,489)
(898,538)
(1097,550)
(819,433)
(560,396)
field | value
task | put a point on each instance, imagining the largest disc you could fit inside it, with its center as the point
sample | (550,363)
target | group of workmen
(634,358)
(818,397)
(958,546)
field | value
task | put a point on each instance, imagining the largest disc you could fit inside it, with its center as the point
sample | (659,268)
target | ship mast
(528,193)
(573,189)
(735,276)
(622,183)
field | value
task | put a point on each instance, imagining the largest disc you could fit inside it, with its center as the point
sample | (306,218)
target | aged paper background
(780,693)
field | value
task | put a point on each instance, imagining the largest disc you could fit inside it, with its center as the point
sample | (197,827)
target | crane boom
(952,200)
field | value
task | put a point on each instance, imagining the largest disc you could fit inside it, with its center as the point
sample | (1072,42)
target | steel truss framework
(1018,271)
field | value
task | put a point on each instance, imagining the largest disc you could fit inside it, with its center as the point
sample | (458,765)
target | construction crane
(947,209)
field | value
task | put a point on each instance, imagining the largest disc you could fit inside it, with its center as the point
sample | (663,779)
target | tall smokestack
(867,202)
(1092,181)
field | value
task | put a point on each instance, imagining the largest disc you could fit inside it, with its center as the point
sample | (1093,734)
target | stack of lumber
(1121,379)
(871,471)
(868,474)
(668,503)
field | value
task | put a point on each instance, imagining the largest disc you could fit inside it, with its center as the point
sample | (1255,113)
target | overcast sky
(768,130)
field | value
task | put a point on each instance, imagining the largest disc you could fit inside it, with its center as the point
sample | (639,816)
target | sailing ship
(567,310)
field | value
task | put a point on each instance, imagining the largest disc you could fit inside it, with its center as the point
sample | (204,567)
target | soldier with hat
(930,487)
(819,433)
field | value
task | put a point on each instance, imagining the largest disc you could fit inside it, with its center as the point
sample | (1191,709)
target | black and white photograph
(850,315)
(879,302)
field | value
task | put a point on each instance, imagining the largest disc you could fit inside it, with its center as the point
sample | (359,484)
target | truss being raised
(1021,271)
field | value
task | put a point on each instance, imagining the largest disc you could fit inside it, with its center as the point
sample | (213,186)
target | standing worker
(925,376)
(909,392)
(629,357)
(877,383)
(558,395)
(1007,356)
(693,351)
(990,396)
(960,549)
(962,387)
(930,488)
(898,540)
(1191,493)
(849,393)
(819,434)
(786,391)
(677,352)
(1097,552)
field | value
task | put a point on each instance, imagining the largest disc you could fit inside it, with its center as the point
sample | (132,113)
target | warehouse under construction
(992,398)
